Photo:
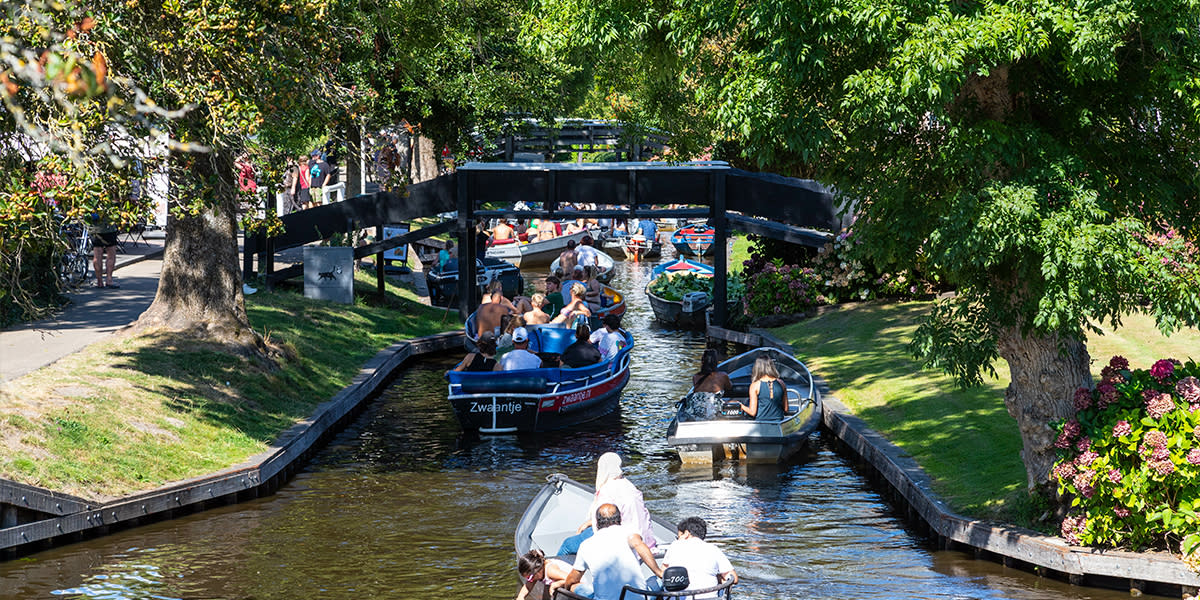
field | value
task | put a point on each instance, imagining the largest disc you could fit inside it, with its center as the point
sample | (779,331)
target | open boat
(543,399)
(701,434)
(695,239)
(638,247)
(541,252)
(606,267)
(614,305)
(688,311)
(559,507)
(443,282)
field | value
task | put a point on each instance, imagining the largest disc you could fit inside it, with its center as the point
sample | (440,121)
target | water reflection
(402,504)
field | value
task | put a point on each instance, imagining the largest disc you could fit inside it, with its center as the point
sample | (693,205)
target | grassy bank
(132,413)
(964,439)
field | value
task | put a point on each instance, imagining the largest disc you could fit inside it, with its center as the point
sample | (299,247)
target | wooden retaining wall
(33,519)
(907,485)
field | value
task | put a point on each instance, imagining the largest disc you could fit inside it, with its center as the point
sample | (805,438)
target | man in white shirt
(705,563)
(611,555)
(608,338)
(588,254)
(519,357)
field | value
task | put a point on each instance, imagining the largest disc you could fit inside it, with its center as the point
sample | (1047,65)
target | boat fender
(675,579)
(492,385)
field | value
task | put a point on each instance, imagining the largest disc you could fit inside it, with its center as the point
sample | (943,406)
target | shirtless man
(495,306)
(535,315)
(502,232)
(569,258)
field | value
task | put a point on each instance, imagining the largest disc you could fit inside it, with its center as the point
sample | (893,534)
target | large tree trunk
(1046,370)
(200,289)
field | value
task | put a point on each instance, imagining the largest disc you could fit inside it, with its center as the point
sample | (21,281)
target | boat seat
(493,385)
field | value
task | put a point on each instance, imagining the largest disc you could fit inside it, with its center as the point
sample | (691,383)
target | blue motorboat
(542,399)
(695,239)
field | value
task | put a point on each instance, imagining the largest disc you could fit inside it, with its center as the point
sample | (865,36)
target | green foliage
(1130,459)
(674,286)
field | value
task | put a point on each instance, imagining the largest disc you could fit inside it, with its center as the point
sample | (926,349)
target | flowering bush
(779,288)
(1130,459)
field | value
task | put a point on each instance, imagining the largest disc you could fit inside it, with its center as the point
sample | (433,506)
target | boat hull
(714,437)
(443,284)
(536,253)
(693,240)
(606,264)
(671,313)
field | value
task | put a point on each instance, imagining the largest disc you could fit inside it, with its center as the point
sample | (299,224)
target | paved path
(92,314)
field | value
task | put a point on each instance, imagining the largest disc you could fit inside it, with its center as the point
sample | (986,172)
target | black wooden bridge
(794,210)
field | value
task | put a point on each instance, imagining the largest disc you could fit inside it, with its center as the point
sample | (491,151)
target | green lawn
(964,439)
(132,413)
(739,252)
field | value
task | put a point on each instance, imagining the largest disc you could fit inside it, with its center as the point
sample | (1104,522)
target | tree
(1041,157)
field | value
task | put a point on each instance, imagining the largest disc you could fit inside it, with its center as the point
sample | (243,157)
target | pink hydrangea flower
(1155,437)
(1064,471)
(1196,432)
(1086,458)
(1188,389)
(1083,399)
(1122,429)
(1114,475)
(1072,527)
(1072,428)
(1193,456)
(1162,369)
(1160,405)
(1107,393)
(1119,363)
(1083,444)
(1120,511)
(1162,467)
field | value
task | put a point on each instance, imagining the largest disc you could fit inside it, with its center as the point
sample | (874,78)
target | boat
(443,282)
(560,506)
(687,312)
(615,305)
(695,239)
(606,267)
(542,252)
(614,241)
(701,435)
(533,400)
(637,247)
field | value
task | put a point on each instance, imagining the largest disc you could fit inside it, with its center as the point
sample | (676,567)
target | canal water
(401,504)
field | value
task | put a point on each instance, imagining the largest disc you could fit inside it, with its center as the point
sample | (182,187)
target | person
(581,352)
(502,232)
(535,315)
(569,258)
(489,314)
(608,339)
(706,565)
(520,358)
(302,183)
(546,230)
(612,555)
(539,574)
(290,205)
(648,229)
(554,298)
(483,358)
(612,487)
(522,229)
(768,393)
(318,172)
(508,326)
(572,277)
(710,378)
(589,256)
(595,290)
(577,307)
(482,238)
(445,254)
(104,251)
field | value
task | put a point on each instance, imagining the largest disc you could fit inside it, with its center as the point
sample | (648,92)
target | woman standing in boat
(768,393)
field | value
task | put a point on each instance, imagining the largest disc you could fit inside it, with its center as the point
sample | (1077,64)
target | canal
(402,505)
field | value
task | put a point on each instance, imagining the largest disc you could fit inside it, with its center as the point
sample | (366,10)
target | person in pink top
(613,488)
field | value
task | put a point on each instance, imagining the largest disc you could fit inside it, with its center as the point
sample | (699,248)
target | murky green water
(401,505)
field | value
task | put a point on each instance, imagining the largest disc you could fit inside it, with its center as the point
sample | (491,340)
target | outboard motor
(675,579)
(695,302)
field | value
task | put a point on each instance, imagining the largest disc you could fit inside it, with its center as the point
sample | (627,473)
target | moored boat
(701,432)
(443,282)
(543,399)
(637,247)
(603,260)
(695,239)
(687,311)
(541,252)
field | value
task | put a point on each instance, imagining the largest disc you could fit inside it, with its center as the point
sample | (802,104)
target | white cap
(520,335)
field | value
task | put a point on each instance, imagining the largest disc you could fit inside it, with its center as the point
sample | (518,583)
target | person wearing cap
(520,358)
(318,171)
(706,565)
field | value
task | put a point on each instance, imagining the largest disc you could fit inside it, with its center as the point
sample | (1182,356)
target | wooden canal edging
(911,490)
(33,519)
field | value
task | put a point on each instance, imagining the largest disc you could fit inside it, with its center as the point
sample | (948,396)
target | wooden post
(508,148)
(467,250)
(721,253)
(379,264)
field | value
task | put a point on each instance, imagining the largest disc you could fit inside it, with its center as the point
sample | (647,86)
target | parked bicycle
(73,266)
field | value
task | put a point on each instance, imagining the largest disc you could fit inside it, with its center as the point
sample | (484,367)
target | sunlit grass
(964,439)
(132,413)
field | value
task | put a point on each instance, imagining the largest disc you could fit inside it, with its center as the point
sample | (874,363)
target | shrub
(779,288)
(1130,459)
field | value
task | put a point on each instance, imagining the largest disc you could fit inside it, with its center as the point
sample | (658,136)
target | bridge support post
(720,251)
(467,250)
(379,265)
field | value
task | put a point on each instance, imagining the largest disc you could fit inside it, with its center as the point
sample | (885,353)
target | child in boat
(539,573)
(535,315)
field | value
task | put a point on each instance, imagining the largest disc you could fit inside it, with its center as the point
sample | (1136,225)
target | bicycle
(73,266)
